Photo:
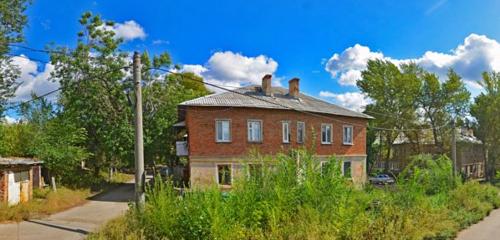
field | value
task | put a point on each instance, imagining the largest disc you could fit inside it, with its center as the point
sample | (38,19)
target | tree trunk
(388,156)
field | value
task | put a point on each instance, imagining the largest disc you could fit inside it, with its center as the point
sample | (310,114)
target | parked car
(382,179)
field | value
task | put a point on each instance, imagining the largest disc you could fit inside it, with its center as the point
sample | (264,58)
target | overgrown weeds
(44,202)
(301,200)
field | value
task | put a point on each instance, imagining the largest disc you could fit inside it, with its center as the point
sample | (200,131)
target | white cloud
(353,100)
(10,120)
(32,80)
(476,54)
(129,30)
(348,65)
(234,70)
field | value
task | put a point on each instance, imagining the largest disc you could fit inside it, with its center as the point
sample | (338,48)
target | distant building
(18,177)
(470,153)
(223,128)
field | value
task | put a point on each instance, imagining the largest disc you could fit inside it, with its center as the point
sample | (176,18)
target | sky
(324,43)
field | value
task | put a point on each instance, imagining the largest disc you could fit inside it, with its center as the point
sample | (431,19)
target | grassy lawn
(46,202)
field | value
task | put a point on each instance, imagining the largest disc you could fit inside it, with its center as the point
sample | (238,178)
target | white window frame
(285,131)
(249,121)
(321,165)
(216,131)
(344,135)
(331,133)
(303,140)
(342,168)
(217,173)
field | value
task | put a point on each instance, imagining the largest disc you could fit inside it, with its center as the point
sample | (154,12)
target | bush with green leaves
(430,174)
(295,198)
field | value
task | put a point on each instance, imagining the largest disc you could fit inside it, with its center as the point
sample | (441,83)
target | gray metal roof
(18,161)
(279,100)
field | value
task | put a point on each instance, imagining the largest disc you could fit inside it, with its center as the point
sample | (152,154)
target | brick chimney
(293,87)
(266,84)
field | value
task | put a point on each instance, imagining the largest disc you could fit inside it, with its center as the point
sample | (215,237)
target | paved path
(75,223)
(488,229)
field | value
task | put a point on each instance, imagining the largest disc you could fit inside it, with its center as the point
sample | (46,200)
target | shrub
(431,175)
(120,228)
(294,198)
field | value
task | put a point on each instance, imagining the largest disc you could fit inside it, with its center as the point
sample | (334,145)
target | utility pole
(139,145)
(454,146)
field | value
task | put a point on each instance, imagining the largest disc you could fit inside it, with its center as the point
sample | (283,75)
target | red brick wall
(200,122)
(3,186)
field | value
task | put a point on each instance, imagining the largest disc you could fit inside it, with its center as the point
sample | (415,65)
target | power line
(37,50)
(28,58)
(236,92)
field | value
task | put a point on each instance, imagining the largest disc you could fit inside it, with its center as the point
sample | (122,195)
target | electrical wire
(228,90)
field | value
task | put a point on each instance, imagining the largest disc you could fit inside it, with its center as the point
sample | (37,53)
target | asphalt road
(75,223)
(488,229)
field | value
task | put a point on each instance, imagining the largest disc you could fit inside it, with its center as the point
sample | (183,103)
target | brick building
(223,128)
(471,159)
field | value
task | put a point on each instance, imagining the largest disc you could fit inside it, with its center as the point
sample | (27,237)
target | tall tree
(440,102)
(12,22)
(162,94)
(431,102)
(94,82)
(54,139)
(394,92)
(486,109)
(97,93)
(456,96)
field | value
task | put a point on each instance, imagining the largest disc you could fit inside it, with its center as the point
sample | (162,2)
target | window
(223,130)
(325,168)
(347,135)
(346,169)
(21,176)
(224,174)
(301,132)
(255,171)
(285,126)
(254,131)
(326,133)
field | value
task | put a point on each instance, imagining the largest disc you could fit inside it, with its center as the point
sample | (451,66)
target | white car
(382,179)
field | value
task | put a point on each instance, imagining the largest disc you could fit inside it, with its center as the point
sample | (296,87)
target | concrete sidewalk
(487,229)
(74,223)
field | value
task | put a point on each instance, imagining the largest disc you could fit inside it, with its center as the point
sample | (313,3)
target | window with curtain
(255,131)
(223,130)
(326,133)
(347,136)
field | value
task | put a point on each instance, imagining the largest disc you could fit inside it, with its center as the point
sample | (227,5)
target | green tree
(53,138)
(162,94)
(486,109)
(440,102)
(94,82)
(394,92)
(456,96)
(97,94)
(12,22)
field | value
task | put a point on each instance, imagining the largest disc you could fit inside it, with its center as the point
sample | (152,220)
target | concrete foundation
(204,170)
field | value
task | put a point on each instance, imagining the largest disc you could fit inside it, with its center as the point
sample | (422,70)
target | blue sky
(324,43)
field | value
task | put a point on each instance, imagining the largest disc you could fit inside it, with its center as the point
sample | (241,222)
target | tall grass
(299,200)
(44,202)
